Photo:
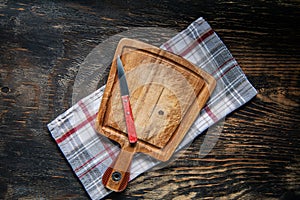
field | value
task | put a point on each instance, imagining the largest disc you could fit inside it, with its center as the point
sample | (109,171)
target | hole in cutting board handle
(116,176)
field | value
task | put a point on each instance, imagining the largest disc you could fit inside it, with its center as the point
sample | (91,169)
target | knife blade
(131,131)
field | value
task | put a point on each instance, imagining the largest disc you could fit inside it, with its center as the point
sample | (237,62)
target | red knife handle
(129,119)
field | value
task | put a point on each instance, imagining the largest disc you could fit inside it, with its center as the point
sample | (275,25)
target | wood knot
(5,89)
(161,112)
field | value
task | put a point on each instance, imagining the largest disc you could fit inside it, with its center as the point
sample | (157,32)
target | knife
(126,103)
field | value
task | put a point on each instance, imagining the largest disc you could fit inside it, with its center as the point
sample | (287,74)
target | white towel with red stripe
(89,153)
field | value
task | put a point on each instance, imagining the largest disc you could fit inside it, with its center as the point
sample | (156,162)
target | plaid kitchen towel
(89,154)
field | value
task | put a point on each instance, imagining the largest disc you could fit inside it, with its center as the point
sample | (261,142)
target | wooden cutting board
(166,92)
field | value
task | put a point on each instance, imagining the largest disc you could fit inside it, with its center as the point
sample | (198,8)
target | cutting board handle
(117,175)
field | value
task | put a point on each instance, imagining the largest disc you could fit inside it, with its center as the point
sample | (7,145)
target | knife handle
(129,120)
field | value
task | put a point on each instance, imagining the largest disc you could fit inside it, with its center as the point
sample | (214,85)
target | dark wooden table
(43,44)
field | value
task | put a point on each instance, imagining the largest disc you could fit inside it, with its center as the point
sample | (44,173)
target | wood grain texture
(44,42)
